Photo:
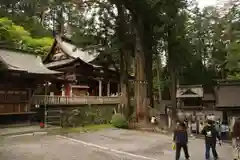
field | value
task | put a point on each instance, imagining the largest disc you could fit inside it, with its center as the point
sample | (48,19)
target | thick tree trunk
(141,85)
(173,96)
(124,82)
(124,60)
(159,67)
(173,72)
(148,50)
(141,76)
(149,78)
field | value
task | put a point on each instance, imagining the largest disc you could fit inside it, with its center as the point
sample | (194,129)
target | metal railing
(65,100)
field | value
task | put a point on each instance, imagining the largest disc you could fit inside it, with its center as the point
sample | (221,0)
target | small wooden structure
(227,98)
(197,103)
(190,97)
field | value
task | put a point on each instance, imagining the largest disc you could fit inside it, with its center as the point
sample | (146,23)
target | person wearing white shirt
(224,131)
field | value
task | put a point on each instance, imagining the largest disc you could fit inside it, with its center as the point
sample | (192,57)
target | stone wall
(85,115)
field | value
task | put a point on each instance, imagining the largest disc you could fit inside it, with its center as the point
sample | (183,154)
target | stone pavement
(110,144)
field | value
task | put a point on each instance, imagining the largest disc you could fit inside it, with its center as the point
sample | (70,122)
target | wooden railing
(61,100)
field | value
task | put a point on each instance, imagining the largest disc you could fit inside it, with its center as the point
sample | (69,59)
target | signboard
(71,77)
(189,92)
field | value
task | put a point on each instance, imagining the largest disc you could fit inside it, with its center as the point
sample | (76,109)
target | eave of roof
(79,53)
(228,82)
(63,63)
(60,63)
(191,86)
(20,61)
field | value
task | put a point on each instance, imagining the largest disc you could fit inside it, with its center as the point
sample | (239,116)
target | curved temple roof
(74,52)
(18,61)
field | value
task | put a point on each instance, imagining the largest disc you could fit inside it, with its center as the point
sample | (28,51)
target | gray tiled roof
(23,62)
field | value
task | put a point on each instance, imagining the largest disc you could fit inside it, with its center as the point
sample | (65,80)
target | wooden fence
(65,100)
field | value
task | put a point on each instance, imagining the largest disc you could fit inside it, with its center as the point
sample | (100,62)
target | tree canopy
(16,36)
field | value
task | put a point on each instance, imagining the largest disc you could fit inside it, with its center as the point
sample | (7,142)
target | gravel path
(110,144)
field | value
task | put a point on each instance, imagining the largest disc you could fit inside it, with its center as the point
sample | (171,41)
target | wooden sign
(189,92)
(71,77)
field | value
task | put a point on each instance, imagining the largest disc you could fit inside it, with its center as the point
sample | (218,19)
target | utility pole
(47,84)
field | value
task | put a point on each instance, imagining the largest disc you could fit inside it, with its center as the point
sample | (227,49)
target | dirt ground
(109,144)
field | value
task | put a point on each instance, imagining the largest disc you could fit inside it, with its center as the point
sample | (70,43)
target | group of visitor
(221,127)
(212,135)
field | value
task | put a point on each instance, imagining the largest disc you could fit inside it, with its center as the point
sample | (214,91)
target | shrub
(119,121)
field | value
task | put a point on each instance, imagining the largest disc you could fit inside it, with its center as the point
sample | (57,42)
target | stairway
(53,117)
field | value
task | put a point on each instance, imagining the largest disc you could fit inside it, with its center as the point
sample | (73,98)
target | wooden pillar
(67,89)
(118,88)
(100,88)
(29,99)
(108,88)
(71,91)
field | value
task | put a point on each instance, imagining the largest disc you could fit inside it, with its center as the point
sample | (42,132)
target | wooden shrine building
(20,74)
(194,100)
(190,97)
(227,98)
(87,72)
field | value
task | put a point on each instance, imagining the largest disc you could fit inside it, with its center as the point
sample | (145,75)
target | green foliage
(38,45)
(233,76)
(119,121)
(233,61)
(87,115)
(233,56)
(17,37)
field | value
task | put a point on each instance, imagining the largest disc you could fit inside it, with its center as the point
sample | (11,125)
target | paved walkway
(110,144)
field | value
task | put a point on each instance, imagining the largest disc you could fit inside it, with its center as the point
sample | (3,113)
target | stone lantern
(180,115)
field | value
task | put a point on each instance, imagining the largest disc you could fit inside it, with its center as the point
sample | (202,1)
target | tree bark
(124,82)
(141,86)
(173,72)
(124,59)
(148,59)
(173,95)
(159,67)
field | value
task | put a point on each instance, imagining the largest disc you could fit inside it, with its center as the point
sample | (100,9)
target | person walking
(180,138)
(224,131)
(218,126)
(201,126)
(236,139)
(211,136)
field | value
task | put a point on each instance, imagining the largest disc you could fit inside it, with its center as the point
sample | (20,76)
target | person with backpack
(180,138)
(236,139)
(211,136)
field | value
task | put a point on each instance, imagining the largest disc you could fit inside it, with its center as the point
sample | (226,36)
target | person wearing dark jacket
(236,138)
(211,136)
(180,138)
